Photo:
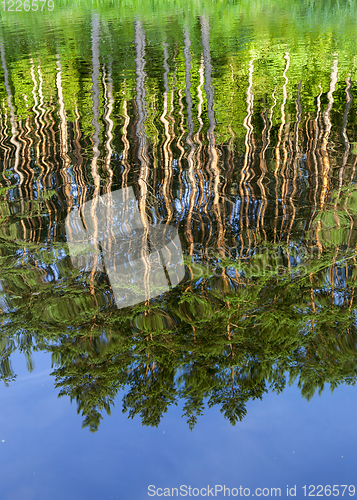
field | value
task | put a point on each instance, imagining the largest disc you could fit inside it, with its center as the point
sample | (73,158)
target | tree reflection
(241,156)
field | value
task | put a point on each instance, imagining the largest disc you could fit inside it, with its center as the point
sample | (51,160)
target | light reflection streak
(326,167)
(213,167)
(13,122)
(190,157)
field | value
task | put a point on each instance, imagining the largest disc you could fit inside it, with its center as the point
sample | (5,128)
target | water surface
(236,125)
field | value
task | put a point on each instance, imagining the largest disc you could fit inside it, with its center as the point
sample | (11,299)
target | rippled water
(237,127)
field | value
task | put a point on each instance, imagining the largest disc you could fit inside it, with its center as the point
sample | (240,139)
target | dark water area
(178,210)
